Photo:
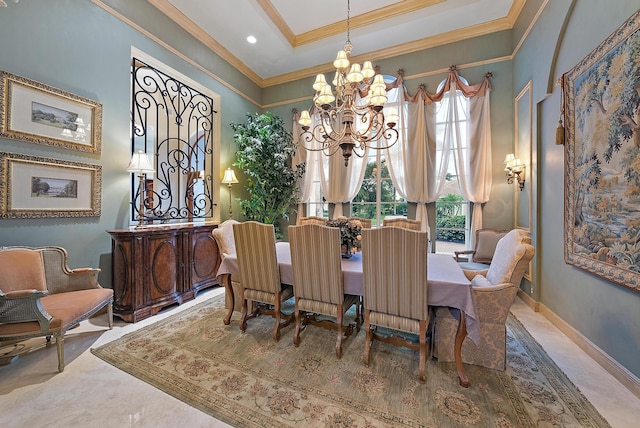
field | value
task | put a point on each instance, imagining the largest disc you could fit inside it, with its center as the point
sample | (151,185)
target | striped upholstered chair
(394,264)
(494,290)
(317,280)
(312,219)
(260,275)
(404,222)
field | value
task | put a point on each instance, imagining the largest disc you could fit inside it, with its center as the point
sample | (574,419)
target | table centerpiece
(350,234)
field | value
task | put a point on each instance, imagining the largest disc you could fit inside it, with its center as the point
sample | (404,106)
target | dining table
(447,284)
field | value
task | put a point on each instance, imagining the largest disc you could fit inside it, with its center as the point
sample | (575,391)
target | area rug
(248,380)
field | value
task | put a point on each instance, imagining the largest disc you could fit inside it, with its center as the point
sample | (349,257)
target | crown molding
(406,48)
(196,31)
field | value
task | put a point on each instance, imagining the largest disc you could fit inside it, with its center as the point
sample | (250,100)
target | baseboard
(529,301)
(624,376)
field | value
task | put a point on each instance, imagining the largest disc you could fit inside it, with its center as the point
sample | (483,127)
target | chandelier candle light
(348,124)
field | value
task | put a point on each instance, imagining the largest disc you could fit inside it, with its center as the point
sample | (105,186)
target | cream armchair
(223,234)
(41,296)
(494,291)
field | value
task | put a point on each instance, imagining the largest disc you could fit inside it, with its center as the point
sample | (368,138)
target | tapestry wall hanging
(602,156)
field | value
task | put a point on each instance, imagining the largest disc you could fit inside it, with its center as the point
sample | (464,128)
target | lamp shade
(140,163)
(229,177)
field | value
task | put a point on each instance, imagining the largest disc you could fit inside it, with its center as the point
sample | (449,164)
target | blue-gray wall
(605,313)
(78,47)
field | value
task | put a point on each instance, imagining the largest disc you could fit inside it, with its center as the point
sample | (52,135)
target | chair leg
(243,319)
(340,333)
(110,315)
(423,350)
(369,338)
(278,314)
(296,336)
(60,346)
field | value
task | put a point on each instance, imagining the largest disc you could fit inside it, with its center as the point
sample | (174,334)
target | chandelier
(342,121)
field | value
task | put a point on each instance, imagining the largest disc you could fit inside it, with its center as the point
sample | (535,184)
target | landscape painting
(51,116)
(602,175)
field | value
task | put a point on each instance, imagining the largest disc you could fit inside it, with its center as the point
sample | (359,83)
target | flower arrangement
(350,232)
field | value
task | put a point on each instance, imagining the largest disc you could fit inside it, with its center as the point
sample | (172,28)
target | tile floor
(92,393)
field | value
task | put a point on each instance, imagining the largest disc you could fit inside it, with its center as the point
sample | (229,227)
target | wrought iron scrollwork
(174,122)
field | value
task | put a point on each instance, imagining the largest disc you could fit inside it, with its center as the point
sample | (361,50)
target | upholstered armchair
(223,234)
(322,221)
(402,222)
(494,291)
(318,283)
(394,267)
(485,246)
(41,296)
(366,222)
(260,275)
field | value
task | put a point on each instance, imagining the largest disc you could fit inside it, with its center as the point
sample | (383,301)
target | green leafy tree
(265,152)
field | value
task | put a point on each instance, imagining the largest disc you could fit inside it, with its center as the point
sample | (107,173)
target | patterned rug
(248,380)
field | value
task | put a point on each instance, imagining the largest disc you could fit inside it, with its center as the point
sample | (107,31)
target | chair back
(402,222)
(21,269)
(256,251)
(511,258)
(366,222)
(316,263)
(312,220)
(223,234)
(485,247)
(394,266)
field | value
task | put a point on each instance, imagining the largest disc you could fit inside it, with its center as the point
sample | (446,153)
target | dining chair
(312,219)
(494,290)
(317,281)
(394,266)
(485,246)
(366,222)
(402,222)
(259,274)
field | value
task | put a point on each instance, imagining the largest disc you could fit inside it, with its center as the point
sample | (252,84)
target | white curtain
(470,139)
(308,157)
(409,159)
(418,162)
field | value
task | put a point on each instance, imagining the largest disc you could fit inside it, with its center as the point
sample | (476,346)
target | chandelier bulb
(341,62)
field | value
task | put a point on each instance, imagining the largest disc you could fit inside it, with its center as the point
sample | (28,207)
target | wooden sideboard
(158,266)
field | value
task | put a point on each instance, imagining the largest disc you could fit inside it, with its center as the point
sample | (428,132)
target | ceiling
(297,38)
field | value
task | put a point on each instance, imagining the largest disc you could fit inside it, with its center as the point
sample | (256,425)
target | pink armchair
(41,296)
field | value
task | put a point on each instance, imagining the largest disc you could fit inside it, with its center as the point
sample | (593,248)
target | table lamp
(229,179)
(141,164)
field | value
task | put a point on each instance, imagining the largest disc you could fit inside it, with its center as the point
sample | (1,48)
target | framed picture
(34,187)
(37,113)
(602,159)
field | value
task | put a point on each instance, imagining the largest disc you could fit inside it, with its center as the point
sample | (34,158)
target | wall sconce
(229,179)
(515,170)
(141,164)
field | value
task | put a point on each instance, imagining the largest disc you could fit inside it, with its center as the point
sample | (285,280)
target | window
(377,197)
(452,211)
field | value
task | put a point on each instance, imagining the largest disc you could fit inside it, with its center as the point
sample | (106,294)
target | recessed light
(251,39)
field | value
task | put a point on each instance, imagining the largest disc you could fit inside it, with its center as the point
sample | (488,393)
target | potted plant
(265,152)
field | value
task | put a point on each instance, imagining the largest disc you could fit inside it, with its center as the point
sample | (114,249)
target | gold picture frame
(37,113)
(36,187)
